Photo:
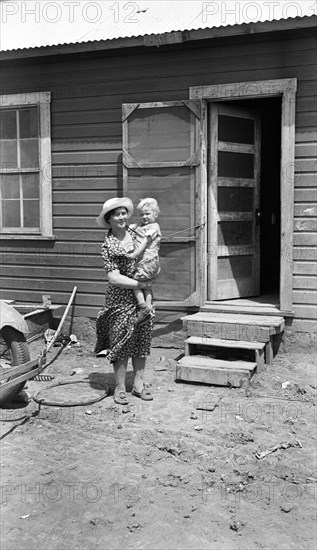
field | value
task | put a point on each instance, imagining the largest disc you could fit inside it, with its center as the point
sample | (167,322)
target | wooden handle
(63,318)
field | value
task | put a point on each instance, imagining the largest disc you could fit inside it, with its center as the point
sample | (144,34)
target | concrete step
(256,349)
(205,370)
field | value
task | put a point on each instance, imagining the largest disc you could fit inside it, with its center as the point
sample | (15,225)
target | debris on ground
(61,340)
(162,364)
(286,508)
(285,445)
(211,406)
(236,526)
(77,371)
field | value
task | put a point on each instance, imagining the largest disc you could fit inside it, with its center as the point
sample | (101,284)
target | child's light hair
(149,203)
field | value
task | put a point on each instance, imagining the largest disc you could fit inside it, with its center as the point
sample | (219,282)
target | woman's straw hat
(112,204)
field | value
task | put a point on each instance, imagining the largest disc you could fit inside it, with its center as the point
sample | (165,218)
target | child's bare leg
(148,297)
(144,310)
(138,293)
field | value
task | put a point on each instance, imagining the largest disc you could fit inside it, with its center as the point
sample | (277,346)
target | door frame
(286,89)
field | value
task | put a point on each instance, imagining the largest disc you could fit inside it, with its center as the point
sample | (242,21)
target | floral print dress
(116,323)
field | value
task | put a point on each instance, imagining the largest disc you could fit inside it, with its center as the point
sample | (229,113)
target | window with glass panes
(25,186)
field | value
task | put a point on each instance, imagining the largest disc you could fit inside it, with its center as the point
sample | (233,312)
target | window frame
(42,101)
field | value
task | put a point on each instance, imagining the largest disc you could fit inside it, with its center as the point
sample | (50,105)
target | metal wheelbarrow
(16,366)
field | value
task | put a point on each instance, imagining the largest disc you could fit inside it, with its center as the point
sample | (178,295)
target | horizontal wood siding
(305,207)
(87,95)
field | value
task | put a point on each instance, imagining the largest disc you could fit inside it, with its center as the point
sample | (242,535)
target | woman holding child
(125,325)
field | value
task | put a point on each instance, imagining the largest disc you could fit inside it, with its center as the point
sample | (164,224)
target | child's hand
(145,285)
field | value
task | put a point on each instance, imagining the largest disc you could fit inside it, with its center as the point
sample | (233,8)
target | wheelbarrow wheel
(19,353)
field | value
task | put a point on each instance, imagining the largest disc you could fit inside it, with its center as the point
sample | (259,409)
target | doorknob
(257,216)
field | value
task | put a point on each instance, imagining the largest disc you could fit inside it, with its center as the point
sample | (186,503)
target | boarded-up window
(25,194)
(161,157)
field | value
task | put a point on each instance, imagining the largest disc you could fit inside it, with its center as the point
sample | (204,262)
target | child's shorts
(147,269)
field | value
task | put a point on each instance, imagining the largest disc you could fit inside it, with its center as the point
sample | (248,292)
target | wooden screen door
(161,159)
(233,202)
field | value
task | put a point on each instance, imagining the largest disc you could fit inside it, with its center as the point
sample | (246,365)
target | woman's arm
(121,281)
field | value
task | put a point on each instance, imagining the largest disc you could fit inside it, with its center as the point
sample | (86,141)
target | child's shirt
(153,247)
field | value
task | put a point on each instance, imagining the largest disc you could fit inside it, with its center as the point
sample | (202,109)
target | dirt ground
(162,474)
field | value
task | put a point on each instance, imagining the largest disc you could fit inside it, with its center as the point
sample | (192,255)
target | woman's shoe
(145,394)
(120,397)
(103,353)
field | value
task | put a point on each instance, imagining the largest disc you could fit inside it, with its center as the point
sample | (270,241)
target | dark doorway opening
(270,194)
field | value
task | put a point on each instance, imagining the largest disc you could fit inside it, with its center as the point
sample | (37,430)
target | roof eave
(168,38)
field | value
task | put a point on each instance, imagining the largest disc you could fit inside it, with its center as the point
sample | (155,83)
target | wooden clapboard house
(217,122)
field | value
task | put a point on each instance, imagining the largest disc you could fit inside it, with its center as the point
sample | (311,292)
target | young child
(147,253)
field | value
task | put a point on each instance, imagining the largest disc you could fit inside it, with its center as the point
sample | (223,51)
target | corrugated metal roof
(31,24)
